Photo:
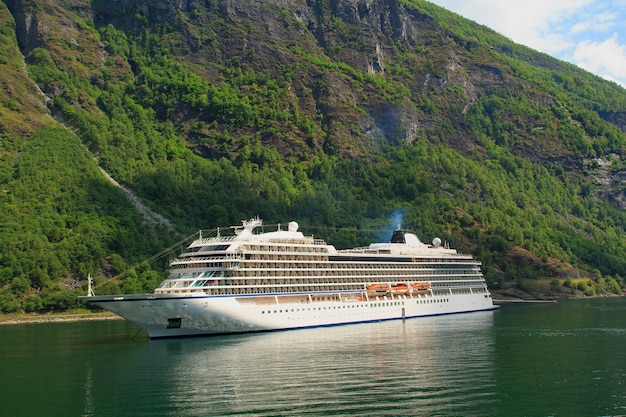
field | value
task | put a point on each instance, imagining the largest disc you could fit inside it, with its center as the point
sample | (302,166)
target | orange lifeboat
(400,289)
(420,287)
(378,288)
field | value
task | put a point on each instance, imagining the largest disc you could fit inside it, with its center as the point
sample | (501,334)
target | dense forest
(340,115)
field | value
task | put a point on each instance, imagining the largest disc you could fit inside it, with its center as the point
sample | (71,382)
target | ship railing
(306,240)
(364,250)
(237,257)
(262,238)
(425,258)
(468,284)
(217,239)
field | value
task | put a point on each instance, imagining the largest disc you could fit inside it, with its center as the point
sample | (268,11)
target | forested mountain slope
(338,114)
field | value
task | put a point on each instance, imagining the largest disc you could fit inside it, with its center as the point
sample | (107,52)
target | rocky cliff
(423,63)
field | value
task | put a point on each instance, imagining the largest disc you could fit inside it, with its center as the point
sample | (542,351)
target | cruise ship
(282,279)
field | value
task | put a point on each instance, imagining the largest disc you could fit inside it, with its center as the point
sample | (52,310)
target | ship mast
(90,292)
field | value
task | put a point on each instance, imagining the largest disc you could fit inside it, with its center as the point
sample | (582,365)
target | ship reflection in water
(395,368)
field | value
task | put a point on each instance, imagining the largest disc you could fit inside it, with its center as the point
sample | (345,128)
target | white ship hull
(167,316)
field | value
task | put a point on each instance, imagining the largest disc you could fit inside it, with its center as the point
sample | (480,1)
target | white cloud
(606,58)
(587,33)
(529,22)
(601,22)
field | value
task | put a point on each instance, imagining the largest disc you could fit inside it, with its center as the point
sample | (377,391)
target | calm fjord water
(565,359)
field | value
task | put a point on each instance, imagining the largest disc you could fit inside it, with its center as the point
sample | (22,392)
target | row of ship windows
(291,254)
(313,273)
(285,257)
(357,268)
(282,248)
(180,281)
(172,281)
(371,305)
(283,290)
(298,285)
(296,260)
(337,275)
(296,288)
(274,290)
(305,262)
(316,286)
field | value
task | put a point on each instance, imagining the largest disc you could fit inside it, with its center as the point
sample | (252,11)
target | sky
(588,33)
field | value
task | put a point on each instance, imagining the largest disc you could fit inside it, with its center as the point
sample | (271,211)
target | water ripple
(393,368)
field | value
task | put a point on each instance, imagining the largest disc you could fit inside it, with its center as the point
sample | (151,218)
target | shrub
(555,285)
(590,292)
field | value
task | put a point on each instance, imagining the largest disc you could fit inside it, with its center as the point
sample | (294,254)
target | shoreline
(10,319)
(85,315)
(498,301)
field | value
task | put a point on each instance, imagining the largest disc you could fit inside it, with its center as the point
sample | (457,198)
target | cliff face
(380,39)
(369,38)
(22,106)
(49,30)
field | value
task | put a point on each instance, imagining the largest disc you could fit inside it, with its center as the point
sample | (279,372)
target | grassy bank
(74,315)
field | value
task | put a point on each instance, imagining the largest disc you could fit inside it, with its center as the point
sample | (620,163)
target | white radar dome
(436,242)
(293,226)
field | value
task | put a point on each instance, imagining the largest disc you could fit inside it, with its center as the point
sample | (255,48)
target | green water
(565,359)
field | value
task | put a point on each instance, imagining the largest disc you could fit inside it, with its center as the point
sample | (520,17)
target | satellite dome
(436,242)
(293,226)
